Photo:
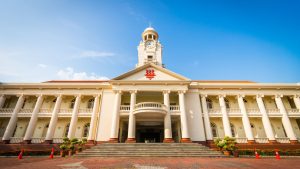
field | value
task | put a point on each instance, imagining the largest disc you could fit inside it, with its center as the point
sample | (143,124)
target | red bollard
(277,156)
(20,156)
(52,153)
(257,155)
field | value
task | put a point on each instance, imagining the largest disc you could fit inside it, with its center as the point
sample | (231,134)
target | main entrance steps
(149,150)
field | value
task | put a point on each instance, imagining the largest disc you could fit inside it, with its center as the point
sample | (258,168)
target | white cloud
(42,65)
(94,54)
(69,74)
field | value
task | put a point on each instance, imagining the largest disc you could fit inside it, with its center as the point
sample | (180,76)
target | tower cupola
(149,49)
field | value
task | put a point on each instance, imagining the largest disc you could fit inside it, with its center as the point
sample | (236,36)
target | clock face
(149,44)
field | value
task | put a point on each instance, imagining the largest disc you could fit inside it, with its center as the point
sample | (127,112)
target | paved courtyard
(147,163)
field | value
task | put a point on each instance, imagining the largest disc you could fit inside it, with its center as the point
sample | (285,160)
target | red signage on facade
(150,74)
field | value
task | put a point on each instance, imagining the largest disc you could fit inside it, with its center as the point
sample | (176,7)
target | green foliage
(226,144)
(63,147)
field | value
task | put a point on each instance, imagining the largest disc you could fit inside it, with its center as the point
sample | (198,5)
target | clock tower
(149,49)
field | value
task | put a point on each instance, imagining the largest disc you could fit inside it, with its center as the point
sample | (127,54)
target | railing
(214,112)
(26,111)
(57,140)
(37,140)
(234,111)
(293,111)
(125,108)
(241,140)
(174,108)
(154,106)
(273,111)
(6,111)
(45,111)
(15,140)
(261,140)
(253,112)
(85,112)
(283,140)
(65,112)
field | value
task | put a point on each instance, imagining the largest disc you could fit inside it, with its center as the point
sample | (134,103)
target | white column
(131,121)
(13,120)
(265,119)
(285,118)
(2,101)
(33,119)
(225,118)
(207,125)
(167,119)
(297,101)
(185,137)
(74,118)
(94,118)
(245,119)
(53,121)
(115,118)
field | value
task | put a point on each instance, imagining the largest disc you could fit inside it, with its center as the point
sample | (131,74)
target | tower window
(145,37)
(150,57)
(154,37)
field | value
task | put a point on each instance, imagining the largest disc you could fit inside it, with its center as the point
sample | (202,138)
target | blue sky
(203,40)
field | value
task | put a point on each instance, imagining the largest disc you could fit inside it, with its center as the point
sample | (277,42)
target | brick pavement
(147,163)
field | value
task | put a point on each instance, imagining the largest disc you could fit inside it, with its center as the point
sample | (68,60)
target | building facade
(150,104)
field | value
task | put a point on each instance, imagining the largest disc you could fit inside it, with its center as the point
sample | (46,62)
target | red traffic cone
(20,156)
(257,155)
(277,156)
(52,153)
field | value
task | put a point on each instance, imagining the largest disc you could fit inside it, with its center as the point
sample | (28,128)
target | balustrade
(214,112)
(37,140)
(174,108)
(6,110)
(283,140)
(273,111)
(125,108)
(57,140)
(253,112)
(14,140)
(261,140)
(293,111)
(241,140)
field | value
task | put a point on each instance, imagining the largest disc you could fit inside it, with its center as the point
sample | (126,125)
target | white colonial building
(150,104)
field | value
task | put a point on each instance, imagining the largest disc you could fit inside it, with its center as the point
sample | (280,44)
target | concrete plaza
(146,163)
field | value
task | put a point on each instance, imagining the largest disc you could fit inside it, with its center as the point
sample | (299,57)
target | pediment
(150,72)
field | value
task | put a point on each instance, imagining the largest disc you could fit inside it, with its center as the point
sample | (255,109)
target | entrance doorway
(149,132)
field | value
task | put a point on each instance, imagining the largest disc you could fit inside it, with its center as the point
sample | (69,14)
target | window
(227,103)
(90,103)
(45,130)
(209,103)
(145,37)
(86,130)
(24,103)
(214,129)
(149,36)
(7,103)
(67,130)
(232,128)
(72,104)
(154,37)
(291,102)
(150,57)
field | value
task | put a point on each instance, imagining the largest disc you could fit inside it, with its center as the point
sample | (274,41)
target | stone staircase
(149,150)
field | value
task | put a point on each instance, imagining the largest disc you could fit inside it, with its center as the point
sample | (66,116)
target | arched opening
(254,132)
(214,129)
(72,104)
(90,104)
(86,129)
(45,130)
(209,103)
(232,128)
(227,103)
(67,130)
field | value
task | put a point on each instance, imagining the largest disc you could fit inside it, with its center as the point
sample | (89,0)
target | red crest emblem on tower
(150,74)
